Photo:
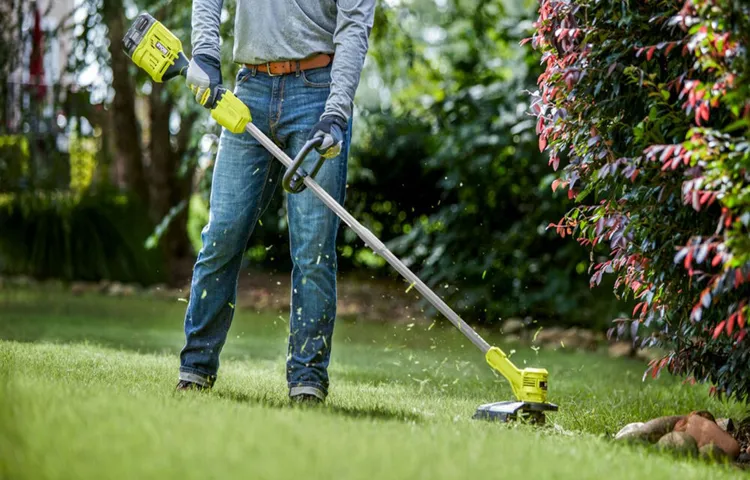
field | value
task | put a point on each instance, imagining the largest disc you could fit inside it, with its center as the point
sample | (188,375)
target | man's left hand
(331,130)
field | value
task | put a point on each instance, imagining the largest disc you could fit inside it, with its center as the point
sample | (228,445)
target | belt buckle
(268,71)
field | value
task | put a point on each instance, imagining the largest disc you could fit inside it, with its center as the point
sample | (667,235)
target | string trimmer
(158,51)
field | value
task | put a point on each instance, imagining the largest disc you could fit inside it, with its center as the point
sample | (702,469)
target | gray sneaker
(306,399)
(184,385)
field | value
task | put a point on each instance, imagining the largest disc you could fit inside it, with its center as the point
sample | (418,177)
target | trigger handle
(230,112)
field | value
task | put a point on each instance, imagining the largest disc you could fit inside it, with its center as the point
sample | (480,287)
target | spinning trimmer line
(159,52)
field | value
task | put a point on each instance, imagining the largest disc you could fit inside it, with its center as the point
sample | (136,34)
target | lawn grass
(86,391)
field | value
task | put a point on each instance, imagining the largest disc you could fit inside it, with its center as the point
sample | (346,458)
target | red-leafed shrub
(647,106)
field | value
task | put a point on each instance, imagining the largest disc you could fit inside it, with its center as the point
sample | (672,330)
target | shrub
(64,236)
(646,104)
(482,241)
(14,162)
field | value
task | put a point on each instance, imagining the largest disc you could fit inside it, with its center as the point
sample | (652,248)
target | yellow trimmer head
(529,386)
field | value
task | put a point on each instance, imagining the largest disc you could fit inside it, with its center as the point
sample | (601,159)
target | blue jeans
(245,177)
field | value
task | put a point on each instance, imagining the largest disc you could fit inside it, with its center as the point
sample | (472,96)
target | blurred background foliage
(445,165)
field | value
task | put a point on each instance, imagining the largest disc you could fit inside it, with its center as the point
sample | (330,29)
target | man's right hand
(204,78)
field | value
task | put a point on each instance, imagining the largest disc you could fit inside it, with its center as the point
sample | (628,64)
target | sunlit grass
(86,391)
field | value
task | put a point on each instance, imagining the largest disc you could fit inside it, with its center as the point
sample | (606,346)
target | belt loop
(297,68)
(254,69)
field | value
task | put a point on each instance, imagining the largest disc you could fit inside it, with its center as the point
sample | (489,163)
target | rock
(647,354)
(679,442)
(512,338)
(571,339)
(704,431)
(725,424)
(630,431)
(104,286)
(128,290)
(79,288)
(115,289)
(713,452)
(549,337)
(620,349)
(705,414)
(589,339)
(513,325)
(580,338)
(658,427)
(744,458)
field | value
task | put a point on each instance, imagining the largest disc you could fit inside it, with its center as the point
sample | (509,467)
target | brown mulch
(360,297)
(742,434)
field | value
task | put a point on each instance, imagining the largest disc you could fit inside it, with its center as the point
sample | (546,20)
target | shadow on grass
(380,413)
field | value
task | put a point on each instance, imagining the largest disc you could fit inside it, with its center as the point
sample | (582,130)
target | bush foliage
(481,241)
(646,105)
(70,237)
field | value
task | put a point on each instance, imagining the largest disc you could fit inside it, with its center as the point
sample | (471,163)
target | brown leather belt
(292,66)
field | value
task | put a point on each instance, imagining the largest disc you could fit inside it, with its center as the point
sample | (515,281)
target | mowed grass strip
(86,391)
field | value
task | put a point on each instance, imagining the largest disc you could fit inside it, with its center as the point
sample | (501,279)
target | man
(302,61)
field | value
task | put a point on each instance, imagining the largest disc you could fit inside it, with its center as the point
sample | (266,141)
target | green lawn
(86,391)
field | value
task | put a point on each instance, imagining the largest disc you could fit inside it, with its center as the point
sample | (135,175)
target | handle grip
(294,178)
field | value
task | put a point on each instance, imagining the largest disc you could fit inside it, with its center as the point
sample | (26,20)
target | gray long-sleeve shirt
(270,30)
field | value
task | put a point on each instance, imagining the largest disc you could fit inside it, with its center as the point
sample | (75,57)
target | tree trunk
(128,153)
(167,187)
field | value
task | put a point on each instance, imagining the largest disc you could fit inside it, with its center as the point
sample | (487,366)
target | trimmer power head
(508,411)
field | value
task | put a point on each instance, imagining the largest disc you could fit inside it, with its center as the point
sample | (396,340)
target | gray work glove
(331,129)
(204,79)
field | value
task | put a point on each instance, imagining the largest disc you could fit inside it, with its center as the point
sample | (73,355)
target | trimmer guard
(509,411)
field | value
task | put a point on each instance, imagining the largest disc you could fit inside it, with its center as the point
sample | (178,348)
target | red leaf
(741,335)
(667,154)
(650,53)
(741,317)
(704,111)
(718,329)
(716,260)
(542,143)
(555,162)
(689,259)
(525,41)
(670,47)
(555,184)
(730,323)
(738,278)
